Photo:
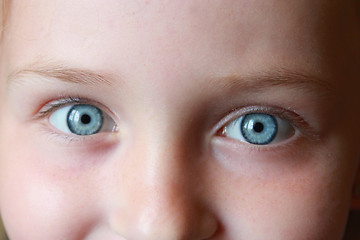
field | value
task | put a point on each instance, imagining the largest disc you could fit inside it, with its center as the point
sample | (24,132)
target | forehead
(246,26)
(166,37)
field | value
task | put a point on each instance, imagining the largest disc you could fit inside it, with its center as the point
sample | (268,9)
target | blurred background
(2,232)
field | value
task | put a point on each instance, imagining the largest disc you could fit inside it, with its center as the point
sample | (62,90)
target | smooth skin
(172,75)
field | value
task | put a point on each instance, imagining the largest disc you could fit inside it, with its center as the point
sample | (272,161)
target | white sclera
(59,119)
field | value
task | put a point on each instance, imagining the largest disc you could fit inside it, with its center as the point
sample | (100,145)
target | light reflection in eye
(259,129)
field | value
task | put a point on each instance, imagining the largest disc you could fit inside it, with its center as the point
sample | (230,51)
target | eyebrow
(256,82)
(62,73)
(282,77)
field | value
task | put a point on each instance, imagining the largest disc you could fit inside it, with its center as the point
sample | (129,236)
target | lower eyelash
(70,139)
(292,117)
(77,140)
(64,138)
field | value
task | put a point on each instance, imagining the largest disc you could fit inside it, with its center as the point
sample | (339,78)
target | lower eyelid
(53,135)
(260,161)
(288,145)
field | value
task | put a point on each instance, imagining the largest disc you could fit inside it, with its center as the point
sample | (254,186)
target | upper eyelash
(54,105)
(295,120)
(50,107)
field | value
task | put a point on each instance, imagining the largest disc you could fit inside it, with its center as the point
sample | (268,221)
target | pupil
(85,119)
(258,127)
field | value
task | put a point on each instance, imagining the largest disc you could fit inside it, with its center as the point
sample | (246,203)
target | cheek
(281,210)
(273,199)
(36,203)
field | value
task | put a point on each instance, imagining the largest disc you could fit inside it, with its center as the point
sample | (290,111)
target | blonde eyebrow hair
(62,73)
(255,82)
(278,78)
(4,12)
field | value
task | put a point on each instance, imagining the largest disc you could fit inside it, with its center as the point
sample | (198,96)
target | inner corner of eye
(224,130)
(221,132)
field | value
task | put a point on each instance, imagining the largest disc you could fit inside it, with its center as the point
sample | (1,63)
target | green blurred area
(2,232)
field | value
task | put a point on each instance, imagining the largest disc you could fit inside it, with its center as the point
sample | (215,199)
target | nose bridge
(158,201)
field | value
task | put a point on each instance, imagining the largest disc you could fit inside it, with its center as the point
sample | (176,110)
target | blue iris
(259,128)
(84,119)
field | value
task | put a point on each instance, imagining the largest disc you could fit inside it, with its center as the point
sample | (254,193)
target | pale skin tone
(172,75)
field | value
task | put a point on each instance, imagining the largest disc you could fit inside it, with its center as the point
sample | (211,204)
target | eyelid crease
(295,120)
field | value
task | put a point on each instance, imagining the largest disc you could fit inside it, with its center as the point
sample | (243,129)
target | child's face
(206,120)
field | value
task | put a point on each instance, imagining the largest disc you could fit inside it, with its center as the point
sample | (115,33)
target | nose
(159,195)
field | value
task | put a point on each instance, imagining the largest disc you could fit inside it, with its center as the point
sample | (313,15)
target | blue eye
(81,119)
(85,119)
(259,129)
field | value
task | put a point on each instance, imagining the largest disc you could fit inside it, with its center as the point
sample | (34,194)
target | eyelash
(292,117)
(53,105)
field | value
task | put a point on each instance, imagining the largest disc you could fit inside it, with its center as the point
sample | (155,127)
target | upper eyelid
(295,120)
(298,122)
(53,105)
